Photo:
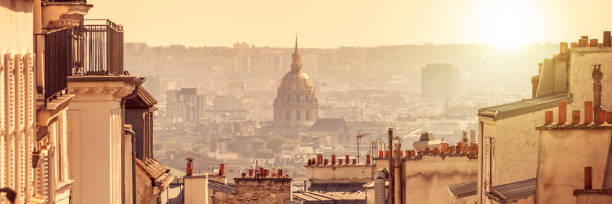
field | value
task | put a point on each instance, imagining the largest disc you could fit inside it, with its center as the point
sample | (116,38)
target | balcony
(93,48)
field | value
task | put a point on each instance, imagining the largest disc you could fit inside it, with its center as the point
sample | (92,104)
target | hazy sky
(333,23)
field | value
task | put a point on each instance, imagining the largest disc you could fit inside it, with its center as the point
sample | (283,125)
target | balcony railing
(93,48)
(59,58)
(99,48)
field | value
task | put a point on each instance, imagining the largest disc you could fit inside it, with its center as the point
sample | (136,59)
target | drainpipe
(391,176)
(134,168)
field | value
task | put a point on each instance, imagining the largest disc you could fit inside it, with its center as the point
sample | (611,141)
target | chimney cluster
(265,173)
(603,116)
(347,161)
(585,42)
(462,148)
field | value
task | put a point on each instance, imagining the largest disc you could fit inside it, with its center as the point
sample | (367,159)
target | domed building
(296,100)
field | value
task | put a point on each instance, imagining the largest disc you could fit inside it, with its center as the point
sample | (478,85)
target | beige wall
(594,199)
(513,154)
(196,189)
(427,180)
(96,140)
(562,158)
(340,173)
(144,189)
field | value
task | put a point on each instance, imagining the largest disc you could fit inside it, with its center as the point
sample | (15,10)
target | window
(307,115)
(298,115)
(288,115)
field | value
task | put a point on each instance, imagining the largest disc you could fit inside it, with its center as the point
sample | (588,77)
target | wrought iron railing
(59,59)
(100,48)
(93,48)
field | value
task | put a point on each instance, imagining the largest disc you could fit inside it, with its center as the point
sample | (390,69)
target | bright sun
(507,25)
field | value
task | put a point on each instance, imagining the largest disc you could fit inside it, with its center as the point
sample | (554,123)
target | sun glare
(507,25)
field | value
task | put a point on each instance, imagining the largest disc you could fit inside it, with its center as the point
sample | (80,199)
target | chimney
(548,117)
(607,39)
(575,117)
(588,178)
(333,159)
(189,166)
(574,45)
(250,172)
(563,48)
(588,112)
(443,147)
(562,112)
(593,43)
(346,158)
(368,158)
(582,43)
(601,116)
(221,169)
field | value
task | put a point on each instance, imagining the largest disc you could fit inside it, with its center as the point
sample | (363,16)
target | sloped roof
(333,192)
(513,191)
(461,190)
(329,124)
(218,186)
(143,99)
(521,107)
(152,168)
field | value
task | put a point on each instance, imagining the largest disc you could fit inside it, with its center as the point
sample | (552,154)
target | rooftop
(461,190)
(332,192)
(513,191)
(521,107)
(329,124)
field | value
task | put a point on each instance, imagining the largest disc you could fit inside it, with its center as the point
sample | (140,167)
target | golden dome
(296,81)
(296,100)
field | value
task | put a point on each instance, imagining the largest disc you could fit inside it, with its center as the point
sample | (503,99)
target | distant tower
(296,100)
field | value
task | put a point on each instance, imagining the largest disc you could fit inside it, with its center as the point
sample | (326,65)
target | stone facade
(296,101)
(261,190)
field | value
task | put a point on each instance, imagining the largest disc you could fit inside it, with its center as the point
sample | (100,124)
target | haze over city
(330,24)
(305,102)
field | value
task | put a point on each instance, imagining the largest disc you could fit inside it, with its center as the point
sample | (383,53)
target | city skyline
(503,24)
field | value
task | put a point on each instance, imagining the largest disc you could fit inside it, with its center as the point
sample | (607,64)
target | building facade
(296,101)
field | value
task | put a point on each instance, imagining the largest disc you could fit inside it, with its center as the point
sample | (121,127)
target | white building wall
(16,96)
